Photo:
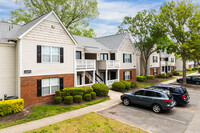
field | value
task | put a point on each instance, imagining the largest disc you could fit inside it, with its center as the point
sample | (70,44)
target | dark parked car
(190,80)
(157,99)
(179,93)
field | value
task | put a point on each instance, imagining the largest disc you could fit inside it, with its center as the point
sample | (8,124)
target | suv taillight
(183,96)
(167,100)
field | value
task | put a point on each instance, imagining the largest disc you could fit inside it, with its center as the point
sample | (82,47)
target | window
(139,92)
(127,58)
(112,56)
(163,68)
(172,68)
(50,54)
(155,71)
(158,94)
(155,59)
(49,86)
(173,90)
(172,59)
(78,54)
(149,93)
(127,75)
(169,68)
(103,56)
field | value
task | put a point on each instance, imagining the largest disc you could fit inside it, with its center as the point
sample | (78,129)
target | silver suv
(157,99)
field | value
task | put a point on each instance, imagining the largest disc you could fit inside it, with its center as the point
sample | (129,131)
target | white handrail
(85,64)
(112,63)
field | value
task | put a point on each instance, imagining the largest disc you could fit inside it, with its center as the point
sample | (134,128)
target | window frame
(51,54)
(155,59)
(155,73)
(163,70)
(172,60)
(127,59)
(80,55)
(129,76)
(103,55)
(50,86)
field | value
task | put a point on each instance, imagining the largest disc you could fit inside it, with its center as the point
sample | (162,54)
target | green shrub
(11,106)
(189,69)
(118,86)
(100,89)
(141,78)
(167,76)
(127,84)
(57,99)
(93,95)
(58,93)
(73,91)
(161,75)
(133,85)
(78,99)
(87,97)
(68,99)
(170,74)
(175,73)
(87,89)
(150,76)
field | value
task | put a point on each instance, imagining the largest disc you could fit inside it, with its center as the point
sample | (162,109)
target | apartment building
(167,62)
(179,64)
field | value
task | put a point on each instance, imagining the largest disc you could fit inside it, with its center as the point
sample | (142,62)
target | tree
(75,14)
(182,21)
(147,32)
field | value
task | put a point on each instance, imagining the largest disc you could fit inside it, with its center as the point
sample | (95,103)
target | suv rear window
(184,90)
(169,95)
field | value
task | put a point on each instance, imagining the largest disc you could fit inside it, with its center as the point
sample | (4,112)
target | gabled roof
(113,41)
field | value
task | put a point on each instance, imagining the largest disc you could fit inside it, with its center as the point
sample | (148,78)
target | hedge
(175,73)
(101,89)
(127,84)
(87,89)
(57,99)
(73,91)
(87,97)
(59,93)
(78,99)
(11,106)
(93,95)
(133,85)
(170,74)
(118,86)
(189,69)
(161,75)
(141,78)
(68,99)
(150,76)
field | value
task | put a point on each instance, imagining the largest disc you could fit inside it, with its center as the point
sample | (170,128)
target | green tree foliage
(75,14)
(148,33)
(182,22)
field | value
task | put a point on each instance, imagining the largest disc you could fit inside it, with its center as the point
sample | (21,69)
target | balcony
(85,64)
(108,64)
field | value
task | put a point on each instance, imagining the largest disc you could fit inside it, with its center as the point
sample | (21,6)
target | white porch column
(118,74)
(93,76)
(83,77)
(106,79)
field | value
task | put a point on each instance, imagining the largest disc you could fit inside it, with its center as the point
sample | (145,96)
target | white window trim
(50,86)
(127,60)
(51,54)
(127,77)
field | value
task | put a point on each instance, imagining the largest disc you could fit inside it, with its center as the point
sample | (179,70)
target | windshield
(184,90)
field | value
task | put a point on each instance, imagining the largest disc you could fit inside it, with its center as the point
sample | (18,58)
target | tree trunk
(145,69)
(184,69)
(195,63)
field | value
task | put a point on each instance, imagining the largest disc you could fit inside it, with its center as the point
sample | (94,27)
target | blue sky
(111,12)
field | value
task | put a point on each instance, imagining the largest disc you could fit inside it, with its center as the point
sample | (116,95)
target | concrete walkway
(115,99)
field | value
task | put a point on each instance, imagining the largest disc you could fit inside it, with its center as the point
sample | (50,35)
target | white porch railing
(163,63)
(110,82)
(112,64)
(85,64)
(84,85)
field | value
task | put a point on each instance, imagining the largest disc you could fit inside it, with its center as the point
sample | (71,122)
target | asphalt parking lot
(176,120)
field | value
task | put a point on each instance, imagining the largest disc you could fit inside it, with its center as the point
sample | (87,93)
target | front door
(113,75)
(103,76)
(166,69)
(79,79)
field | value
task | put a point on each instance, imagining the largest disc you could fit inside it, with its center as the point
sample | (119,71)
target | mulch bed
(17,116)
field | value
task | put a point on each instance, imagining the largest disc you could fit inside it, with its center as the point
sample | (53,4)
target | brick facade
(29,88)
(121,74)
(158,71)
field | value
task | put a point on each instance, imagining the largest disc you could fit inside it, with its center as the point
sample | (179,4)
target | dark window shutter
(61,55)
(61,83)
(130,74)
(39,87)
(39,54)
(123,58)
(130,58)
(123,75)
(112,56)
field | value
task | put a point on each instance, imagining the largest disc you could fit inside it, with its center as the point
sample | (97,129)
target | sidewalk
(115,99)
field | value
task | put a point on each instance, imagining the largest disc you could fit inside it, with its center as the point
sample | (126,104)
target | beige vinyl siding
(154,64)
(43,34)
(7,70)
(126,48)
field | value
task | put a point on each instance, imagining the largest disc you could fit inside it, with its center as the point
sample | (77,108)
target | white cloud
(104,29)
(8,3)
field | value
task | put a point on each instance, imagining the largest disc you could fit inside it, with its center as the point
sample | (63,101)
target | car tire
(126,101)
(156,108)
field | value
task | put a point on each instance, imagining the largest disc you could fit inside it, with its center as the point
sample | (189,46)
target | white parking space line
(167,118)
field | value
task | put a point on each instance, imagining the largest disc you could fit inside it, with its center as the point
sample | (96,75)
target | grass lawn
(42,111)
(187,72)
(88,123)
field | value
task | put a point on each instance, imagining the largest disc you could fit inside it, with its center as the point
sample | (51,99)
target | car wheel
(175,102)
(197,83)
(126,101)
(156,108)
